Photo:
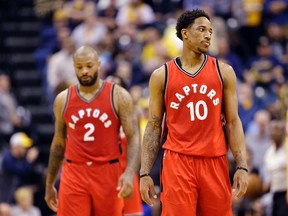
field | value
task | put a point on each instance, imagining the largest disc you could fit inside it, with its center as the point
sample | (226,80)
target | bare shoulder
(227,72)
(158,74)
(60,101)
(122,99)
(157,78)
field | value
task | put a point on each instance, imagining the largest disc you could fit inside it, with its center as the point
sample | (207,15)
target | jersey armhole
(165,84)
(222,109)
(112,101)
(67,101)
(219,72)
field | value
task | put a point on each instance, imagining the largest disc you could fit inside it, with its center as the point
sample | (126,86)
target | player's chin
(203,49)
(86,82)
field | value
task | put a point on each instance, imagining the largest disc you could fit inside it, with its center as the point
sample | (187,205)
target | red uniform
(91,170)
(133,205)
(195,169)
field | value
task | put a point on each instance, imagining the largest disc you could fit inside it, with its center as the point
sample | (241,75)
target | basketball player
(197,93)
(87,122)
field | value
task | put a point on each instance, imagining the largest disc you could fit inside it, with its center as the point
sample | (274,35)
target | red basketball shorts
(87,190)
(133,205)
(195,186)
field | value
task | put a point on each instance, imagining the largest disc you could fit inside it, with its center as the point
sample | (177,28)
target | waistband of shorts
(89,163)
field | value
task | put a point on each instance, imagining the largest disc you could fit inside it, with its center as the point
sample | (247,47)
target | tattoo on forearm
(151,143)
(126,107)
(55,162)
(239,159)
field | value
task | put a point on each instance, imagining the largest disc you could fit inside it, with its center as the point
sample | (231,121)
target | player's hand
(125,185)
(240,183)
(147,188)
(51,198)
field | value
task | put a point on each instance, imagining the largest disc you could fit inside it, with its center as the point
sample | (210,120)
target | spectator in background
(264,70)
(90,32)
(278,41)
(76,11)
(248,104)
(249,27)
(24,203)
(60,71)
(225,54)
(108,14)
(155,52)
(124,70)
(257,138)
(11,117)
(135,12)
(275,163)
(5,209)
(276,11)
(15,164)
(51,39)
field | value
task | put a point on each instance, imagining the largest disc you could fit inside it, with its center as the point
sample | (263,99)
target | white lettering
(194,86)
(81,113)
(88,110)
(216,101)
(74,119)
(179,96)
(174,105)
(103,117)
(211,94)
(186,90)
(96,113)
(107,124)
(203,89)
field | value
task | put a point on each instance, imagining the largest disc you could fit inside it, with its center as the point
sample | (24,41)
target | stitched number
(195,110)
(87,135)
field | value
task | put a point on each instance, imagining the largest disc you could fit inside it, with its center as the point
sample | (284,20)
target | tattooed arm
(152,133)
(56,151)
(234,129)
(128,118)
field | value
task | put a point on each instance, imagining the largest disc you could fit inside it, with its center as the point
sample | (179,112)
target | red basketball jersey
(194,109)
(92,126)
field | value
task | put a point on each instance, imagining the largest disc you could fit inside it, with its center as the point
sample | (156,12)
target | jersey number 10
(195,110)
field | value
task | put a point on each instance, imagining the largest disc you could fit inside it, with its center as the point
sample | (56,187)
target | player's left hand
(125,185)
(240,183)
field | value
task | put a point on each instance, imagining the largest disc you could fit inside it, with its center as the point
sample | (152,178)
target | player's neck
(191,58)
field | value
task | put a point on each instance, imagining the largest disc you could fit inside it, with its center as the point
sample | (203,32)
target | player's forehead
(85,59)
(202,21)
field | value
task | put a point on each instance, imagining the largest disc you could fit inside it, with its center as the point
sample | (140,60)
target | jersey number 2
(87,135)
(195,110)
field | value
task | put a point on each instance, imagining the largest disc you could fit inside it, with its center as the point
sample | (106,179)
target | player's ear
(184,32)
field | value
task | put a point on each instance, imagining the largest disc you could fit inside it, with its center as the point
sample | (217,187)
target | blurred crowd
(133,38)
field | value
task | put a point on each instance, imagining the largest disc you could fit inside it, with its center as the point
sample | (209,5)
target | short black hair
(187,18)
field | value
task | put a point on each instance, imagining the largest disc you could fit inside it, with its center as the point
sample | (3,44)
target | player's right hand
(51,198)
(147,189)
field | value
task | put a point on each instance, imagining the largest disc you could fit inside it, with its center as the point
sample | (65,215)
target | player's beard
(90,81)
